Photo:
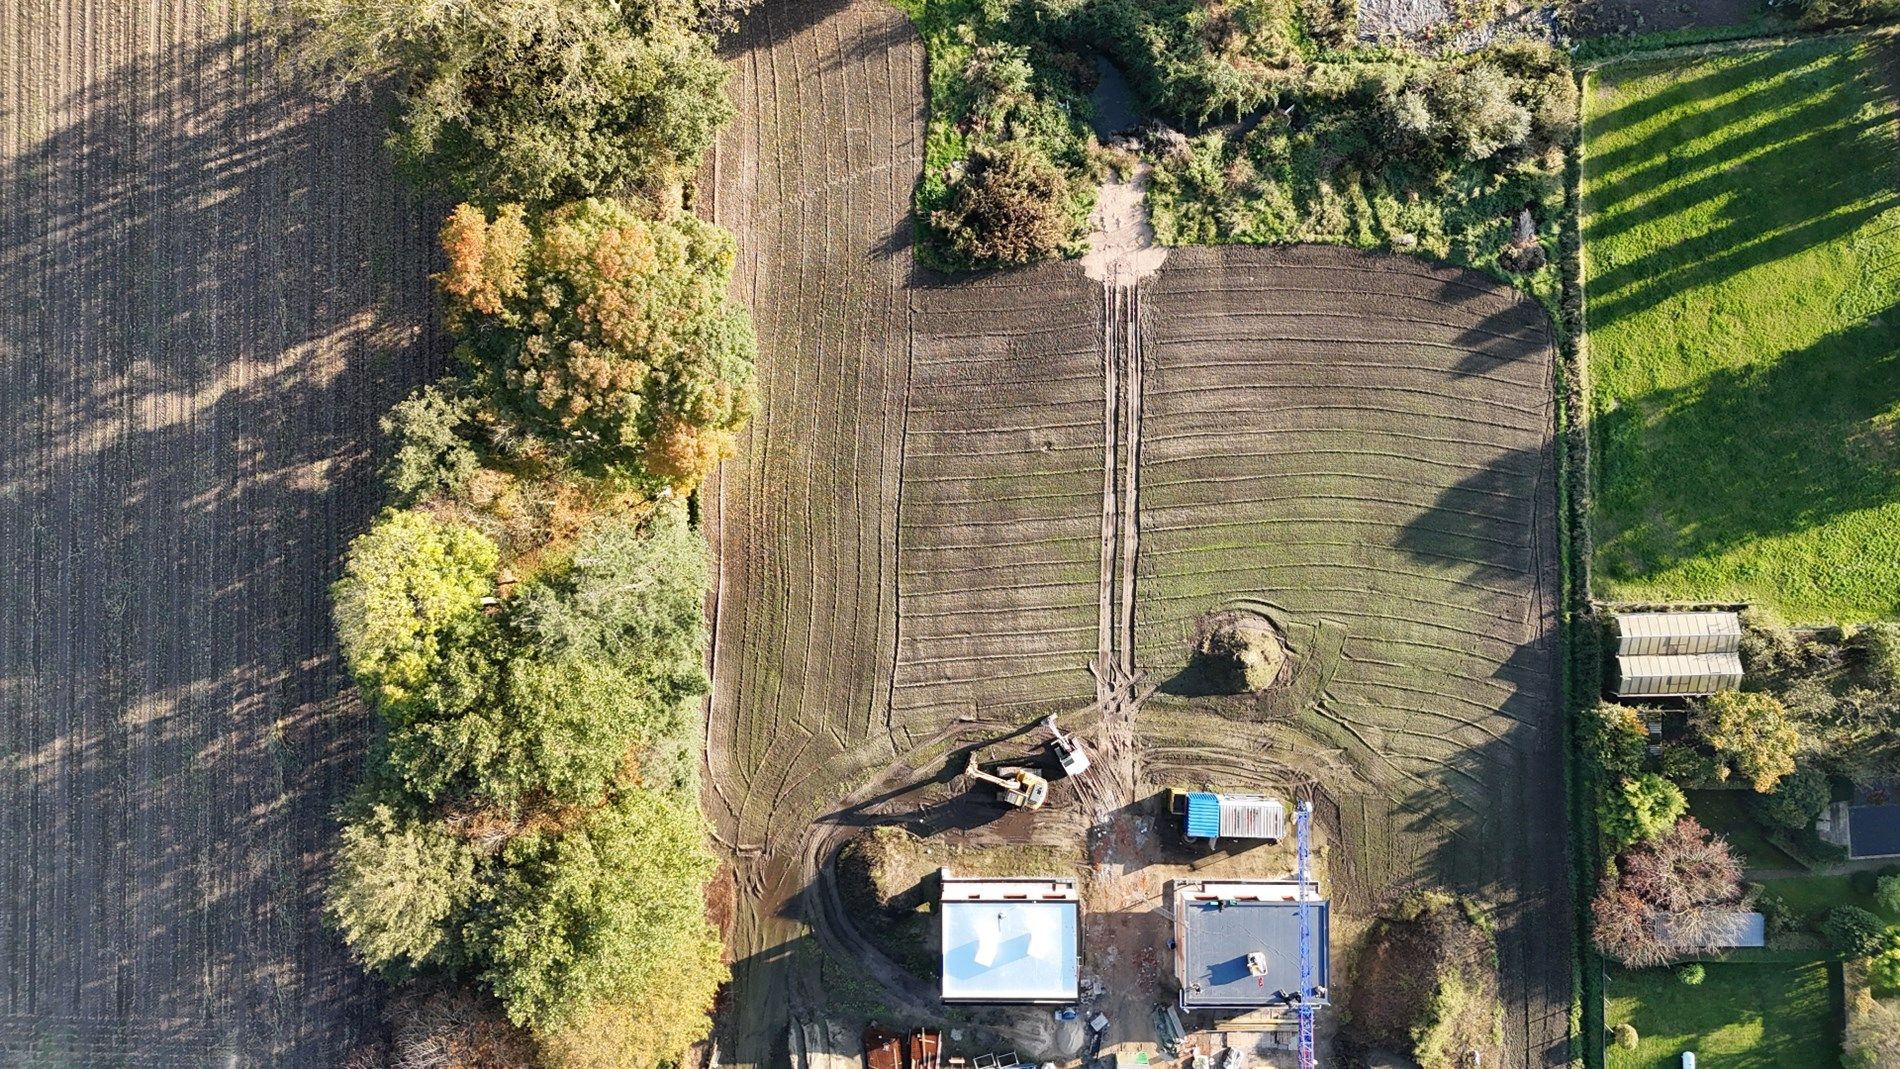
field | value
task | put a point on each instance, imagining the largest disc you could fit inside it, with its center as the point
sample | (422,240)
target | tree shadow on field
(215,289)
(1753,452)
(766,25)
(1770,198)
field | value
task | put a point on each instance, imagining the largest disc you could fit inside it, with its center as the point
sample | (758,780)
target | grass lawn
(1740,1017)
(1726,813)
(1742,258)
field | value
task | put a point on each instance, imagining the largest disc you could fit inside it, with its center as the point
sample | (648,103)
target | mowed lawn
(1740,1017)
(1742,258)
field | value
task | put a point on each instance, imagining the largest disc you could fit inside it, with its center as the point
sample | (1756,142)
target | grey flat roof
(1217,940)
(1873,830)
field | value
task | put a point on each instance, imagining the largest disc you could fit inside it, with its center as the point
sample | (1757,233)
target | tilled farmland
(214,289)
(1359,447)
(970,502)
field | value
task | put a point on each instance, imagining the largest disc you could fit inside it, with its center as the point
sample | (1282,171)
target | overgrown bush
(1878,645)
(1011,206)
(401,881)
(1820,13)
(1854,932)
(540,101)
(431,454)
(1430,983)
(603,330)
(1614,737)
(1624,1036)
(1692,974)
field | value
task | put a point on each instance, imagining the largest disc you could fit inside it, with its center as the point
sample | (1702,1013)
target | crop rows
(214,288)
(1000,532)
(815,178)
(1359,446)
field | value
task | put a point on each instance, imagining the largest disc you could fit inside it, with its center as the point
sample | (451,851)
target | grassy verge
(1753,1016)
(1745,388)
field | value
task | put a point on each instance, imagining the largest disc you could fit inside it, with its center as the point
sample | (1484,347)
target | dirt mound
(1241,652)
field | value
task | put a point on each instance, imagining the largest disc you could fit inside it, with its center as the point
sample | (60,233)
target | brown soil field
(214,289)
(1359,447)
(969,502)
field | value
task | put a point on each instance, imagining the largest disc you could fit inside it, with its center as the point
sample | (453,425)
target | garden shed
(1684,675)
(1650,634)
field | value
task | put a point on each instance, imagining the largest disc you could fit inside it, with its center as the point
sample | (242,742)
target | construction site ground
(971,502)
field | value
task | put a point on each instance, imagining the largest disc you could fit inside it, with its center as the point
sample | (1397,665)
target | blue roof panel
(1203,815)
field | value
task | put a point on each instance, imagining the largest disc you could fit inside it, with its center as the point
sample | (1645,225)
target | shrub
(1625,1036)
(1879,648)
(1692,974)
(1752,731)
(411,584)
(540,101)
(1884,967)
(1796,800)
(1888,893)
(400,880)
(1615,737)
(1637,808)
(430,453)
(1854,932)
(1011,206)
(602,330)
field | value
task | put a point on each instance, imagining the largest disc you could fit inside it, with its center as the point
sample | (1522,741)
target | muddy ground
(214,288)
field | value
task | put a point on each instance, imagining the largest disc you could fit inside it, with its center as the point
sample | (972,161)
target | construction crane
(1302,828)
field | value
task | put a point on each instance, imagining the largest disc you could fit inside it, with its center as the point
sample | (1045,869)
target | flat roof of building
(1873,830)
(1010,940)
(1218,925)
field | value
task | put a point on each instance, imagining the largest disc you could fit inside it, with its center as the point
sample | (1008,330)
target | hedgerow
(526,621)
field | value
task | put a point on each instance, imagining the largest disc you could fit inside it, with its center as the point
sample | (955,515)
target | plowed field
(967,502)
(213,289)
(1358,446)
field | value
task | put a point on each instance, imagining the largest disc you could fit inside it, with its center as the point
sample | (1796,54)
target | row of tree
(526,620)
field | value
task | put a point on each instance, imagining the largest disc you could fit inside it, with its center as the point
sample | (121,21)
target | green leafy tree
(1889,893)
(1854,932)
(540,101)
(1011,206)
(602,329)
(1635,809)
(1797,799)
(411,586)
(431,455)
(607,913)
(1752,731)
(1615,738)
(400,882)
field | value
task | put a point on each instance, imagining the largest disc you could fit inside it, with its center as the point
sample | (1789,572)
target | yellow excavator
(1017,786)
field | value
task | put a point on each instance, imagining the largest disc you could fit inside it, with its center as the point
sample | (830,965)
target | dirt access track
(969,502)
(213,288)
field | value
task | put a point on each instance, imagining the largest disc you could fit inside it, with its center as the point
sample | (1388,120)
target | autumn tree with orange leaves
(606,332)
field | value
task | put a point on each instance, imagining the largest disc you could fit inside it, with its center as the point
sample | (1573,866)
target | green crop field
(1740,1017)
(1742,262)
